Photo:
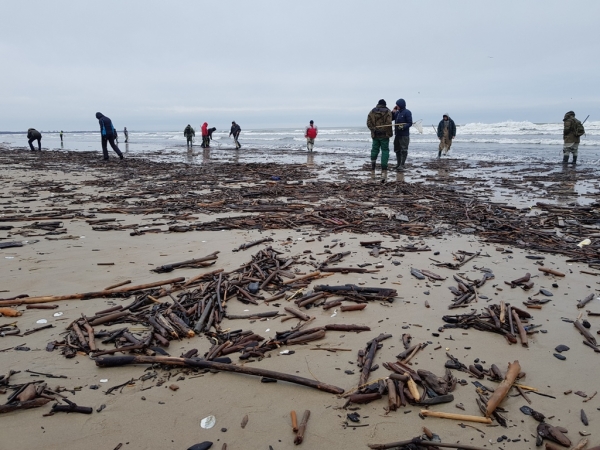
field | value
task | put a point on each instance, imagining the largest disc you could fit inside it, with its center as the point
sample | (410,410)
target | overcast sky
(158,65)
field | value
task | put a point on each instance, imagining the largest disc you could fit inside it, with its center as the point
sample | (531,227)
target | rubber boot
(404,156)
(565,159)
(373,164)
(574,160)
(439,154)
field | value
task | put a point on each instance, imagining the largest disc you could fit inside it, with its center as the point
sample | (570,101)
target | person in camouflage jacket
(379,121)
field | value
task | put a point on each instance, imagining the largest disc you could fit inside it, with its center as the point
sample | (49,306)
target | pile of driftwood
(504,319)
(199,305)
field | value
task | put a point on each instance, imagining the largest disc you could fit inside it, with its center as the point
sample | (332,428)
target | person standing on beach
(403,121)
(235,131)
(379,121)
(189,134)
(61,136)
(34,135)
(573,130)
(310,133)
(205,138)
(109,134)
(446,132)
(126,133)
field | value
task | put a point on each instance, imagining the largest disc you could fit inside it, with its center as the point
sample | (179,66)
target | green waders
(384,145)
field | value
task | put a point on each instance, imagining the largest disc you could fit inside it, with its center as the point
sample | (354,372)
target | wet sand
(144,415)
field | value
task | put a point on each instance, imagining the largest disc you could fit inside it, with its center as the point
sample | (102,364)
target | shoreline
(440,201)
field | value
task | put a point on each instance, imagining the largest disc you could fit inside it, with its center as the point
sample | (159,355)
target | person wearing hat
(310,133)
(34,135)
(109,134)
(379,121)
(235,131)
(402,123)
(446,132)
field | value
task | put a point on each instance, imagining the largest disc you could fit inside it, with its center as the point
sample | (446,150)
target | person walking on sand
(205,138)
(402,123)
(446,132)
(108,133)
(573,130)
(34,135)
(61,136)
(310,133)
(189,134)
(379,121)
(126,133)
(235,131)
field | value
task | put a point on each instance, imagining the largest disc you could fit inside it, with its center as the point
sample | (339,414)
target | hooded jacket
(569,135)
(403,116)
(204,129)
(451,128)
(33,134)
(235,129)
(379,121)
(189,132)
(106,127)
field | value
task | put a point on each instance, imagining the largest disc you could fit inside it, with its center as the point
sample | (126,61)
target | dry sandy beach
(148,414)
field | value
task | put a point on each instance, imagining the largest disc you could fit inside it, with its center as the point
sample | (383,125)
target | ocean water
(503,141)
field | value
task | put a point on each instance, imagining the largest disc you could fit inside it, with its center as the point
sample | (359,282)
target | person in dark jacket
(61,136)
(235,131)
(34,135)
(210,132)
(402,123)
(108,133)
(379,121)
(446,132)
(189,134)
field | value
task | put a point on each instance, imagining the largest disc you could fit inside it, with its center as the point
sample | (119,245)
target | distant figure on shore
(109,134)
(205,138)
(34,135)
(61,136)
(126,133)
(402,121)
(189,134)
(446,132)
(235,131)
(310,133)
(116,137)
(379,121)
(571,136)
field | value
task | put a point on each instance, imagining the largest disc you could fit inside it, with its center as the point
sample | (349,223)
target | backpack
(579,129)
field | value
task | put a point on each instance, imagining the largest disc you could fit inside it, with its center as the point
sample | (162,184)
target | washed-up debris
(502,319)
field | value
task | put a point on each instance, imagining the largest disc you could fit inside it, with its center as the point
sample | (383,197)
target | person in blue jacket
(402,122)
(108,134)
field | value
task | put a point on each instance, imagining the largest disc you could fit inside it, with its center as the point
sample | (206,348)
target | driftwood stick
(551,271)
(35,403)
(502,390)
(114,361)
(302,428)
(444,415)
(522,332)
(88,295)
(419,442)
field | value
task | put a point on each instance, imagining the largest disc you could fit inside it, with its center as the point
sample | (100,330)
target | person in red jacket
(205,136)
(310,133)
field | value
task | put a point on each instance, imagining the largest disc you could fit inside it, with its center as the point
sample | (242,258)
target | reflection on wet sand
(310,159)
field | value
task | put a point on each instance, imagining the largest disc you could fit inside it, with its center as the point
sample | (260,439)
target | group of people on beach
(207,133)
(381,121)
